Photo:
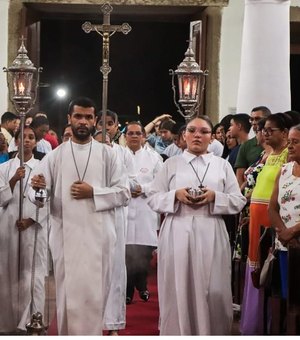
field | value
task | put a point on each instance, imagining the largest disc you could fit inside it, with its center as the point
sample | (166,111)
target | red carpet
(141,317)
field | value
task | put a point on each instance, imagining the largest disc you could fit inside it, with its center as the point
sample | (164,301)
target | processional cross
(106,30)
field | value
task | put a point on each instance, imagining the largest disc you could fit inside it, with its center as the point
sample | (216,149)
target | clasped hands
(287,237)
(183,196)
(80,190)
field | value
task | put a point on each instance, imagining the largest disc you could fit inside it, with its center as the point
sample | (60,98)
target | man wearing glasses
(143,223)
(250,150)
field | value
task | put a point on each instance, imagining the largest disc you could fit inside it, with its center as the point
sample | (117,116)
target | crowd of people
(181,189)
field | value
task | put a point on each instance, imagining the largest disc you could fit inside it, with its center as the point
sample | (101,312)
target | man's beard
(82,133)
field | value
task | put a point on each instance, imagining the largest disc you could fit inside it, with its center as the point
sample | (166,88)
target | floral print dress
(288,199)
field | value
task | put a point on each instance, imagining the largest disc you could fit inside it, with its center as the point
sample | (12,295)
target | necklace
(200,181)
(87,162)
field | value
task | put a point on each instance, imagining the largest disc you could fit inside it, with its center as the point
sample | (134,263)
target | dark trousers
(138,258)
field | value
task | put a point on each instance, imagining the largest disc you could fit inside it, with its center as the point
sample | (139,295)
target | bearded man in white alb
(85,182)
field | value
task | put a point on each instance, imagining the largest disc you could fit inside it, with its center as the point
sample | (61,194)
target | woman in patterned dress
(284,209)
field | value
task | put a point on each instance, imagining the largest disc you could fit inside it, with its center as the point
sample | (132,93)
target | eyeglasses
(269,131)
(202,131)
(256,119)
(132,133)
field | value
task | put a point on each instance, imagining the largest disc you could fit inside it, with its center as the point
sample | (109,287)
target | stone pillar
(265,72)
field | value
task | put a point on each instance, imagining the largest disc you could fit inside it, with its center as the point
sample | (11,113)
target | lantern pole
(106,31)
(23,96)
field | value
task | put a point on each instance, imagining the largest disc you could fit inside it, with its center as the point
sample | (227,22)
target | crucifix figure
(106,31)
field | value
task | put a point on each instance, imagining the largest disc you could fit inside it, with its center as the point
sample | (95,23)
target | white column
(265,72)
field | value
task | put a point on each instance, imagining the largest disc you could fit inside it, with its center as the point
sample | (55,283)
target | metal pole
(21,156)
(105,68)
(21,199)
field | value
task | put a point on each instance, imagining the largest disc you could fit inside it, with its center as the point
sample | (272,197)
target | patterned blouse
(288,198)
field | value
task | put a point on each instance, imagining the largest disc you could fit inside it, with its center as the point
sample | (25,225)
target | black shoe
(128,300)
(144,295)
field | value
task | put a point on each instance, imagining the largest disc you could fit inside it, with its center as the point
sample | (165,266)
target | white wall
(230,55)
(3,55)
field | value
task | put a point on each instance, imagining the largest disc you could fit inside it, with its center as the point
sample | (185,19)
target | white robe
(10,318)
(115,310)
(194,261)
(83,235)
(143,222)
(43,146)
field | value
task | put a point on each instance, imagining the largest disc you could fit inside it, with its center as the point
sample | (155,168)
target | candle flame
(187,87)
(21,89)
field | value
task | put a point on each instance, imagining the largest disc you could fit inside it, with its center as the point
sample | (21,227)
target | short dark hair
(225,121)
(265,110)
(133,122)
(64,128)
(281,120)
(295,116)
(39,121)
(215,128)
(167,125)
(8,117)
(243,119)
(83,102)
(109,113)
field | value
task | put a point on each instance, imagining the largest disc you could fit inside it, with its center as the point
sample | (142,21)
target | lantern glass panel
(22,84)
(195,83)
(188,86)
(180,87)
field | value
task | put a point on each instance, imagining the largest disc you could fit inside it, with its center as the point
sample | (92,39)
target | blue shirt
(4,157)
(157,143)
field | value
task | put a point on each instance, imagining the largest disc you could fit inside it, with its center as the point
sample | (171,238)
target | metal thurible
(41,197)
(195,192)
(36,325)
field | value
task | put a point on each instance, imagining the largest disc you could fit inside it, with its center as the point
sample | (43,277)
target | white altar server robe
(115,310)
(194,261)
(15,288)
(143,222)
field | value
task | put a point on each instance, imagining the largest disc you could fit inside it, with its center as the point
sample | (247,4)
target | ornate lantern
(191,82)
(22,82)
